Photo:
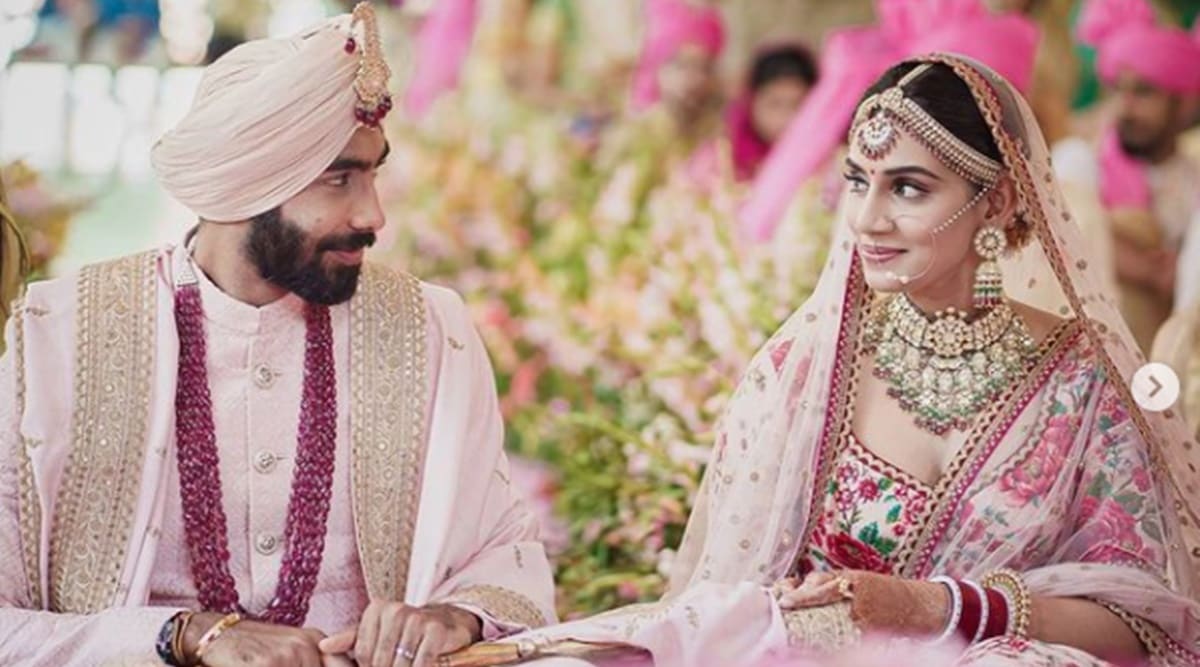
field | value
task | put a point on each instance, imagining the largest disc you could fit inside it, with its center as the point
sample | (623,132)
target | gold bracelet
(1010,584)
(181,626)
(213,633)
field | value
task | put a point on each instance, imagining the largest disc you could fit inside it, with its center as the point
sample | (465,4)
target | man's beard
(1139,147)
(278,248)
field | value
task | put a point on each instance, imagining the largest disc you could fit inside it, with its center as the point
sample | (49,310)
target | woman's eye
(908,190)
(340,181)
(856,184)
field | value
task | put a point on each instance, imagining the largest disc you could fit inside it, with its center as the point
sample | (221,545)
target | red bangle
(997,625)
(972,616)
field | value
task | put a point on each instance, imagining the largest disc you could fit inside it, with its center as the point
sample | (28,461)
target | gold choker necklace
(945,368)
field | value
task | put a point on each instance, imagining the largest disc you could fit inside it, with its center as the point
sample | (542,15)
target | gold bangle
(214,633)
(181,626)
(1012,586)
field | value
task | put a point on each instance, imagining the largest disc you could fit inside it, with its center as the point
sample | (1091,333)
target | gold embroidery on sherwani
(114,363)
(29,508)
(387,430)
(507,606)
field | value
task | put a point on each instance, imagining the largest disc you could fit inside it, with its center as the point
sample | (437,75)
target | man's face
(687,80)
(1148,118)
(313,245)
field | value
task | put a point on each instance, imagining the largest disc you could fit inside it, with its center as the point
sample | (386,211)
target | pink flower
(1141,479)
(848,553)
(868,489)
(627,590)
(1038,472)
(1112,524)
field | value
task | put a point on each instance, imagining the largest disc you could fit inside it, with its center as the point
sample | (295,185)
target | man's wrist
(470,621)
(200,624)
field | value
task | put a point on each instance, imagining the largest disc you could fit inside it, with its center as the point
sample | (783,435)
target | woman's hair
(948,99)
(783,62)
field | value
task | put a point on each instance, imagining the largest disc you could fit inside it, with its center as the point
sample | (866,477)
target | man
(1143,186)
(148,411)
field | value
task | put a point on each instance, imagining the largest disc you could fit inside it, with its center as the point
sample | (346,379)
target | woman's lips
(879,254)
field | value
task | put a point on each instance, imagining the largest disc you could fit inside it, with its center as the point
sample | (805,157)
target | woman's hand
(878,602)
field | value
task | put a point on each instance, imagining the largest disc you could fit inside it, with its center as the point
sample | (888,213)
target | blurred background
(588,222)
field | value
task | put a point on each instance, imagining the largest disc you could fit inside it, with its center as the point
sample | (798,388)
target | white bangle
(983,610)
(956,607)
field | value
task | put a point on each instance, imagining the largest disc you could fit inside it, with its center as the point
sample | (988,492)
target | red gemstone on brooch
(351,45)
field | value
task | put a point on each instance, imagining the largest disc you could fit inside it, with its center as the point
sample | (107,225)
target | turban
(852,59)
(670,26)
(271,115)
(1127,37)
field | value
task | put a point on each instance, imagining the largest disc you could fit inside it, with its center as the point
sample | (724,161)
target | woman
(778,81)
(881,439)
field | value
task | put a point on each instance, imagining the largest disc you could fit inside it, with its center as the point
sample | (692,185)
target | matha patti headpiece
(370,81)
(880,117)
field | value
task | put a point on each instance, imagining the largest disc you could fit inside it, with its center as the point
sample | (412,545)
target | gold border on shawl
(838,427)
(507,606)
(114,363)
(389,393)
(999,414)
(29,508)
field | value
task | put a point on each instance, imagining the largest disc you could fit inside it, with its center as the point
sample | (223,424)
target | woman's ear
(1001,202)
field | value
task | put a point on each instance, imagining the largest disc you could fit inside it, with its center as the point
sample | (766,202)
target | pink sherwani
(473,542)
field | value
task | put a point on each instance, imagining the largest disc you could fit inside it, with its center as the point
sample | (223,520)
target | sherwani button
(264,462)
(264,377)
(266,544)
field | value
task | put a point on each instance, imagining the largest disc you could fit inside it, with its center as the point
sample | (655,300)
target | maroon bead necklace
(200,479)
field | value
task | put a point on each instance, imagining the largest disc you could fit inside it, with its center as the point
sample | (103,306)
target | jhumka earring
(990,243)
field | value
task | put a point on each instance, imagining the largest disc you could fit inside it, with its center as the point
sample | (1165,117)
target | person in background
(779,80)
(1133,188)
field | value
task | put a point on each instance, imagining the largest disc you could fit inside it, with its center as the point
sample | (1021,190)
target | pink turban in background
(671,25)
(853,59)
(268,118)
(443,44)
(1127,38)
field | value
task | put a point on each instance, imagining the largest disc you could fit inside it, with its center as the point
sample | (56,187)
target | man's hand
(258,644)
(393,634)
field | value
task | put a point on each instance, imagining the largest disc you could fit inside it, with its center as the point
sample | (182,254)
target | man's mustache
(348,243)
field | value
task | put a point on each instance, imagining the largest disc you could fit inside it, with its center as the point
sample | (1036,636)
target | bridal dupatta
(1064,478)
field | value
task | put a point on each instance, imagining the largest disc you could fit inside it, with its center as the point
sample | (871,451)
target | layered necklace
(944,369)
(199,473)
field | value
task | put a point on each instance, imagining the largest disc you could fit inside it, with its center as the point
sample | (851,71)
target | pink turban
(671,25)
(268,118)
(1127,37)
(442,46)
(853,59)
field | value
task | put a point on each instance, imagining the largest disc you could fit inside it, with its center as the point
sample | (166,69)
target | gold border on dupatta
(389,393)
(507,606)
(857,305)
(1000,414)
(114,365)
(29,508)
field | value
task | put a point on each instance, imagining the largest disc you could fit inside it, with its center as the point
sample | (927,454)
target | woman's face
(894,204)
(774,104)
